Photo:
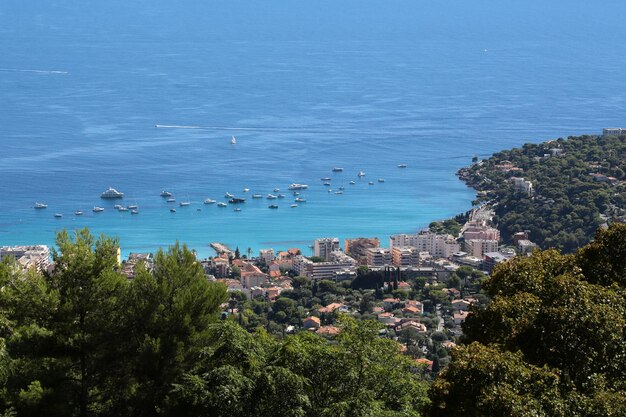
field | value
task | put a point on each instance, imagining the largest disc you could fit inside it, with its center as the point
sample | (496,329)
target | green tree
(552,341)
(65,329)
(168,316)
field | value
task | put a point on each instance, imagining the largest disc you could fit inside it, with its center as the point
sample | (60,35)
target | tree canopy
(83,340)
(552,342)
(579,184)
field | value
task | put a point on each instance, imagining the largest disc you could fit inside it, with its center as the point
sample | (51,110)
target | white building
(439,246)
(325,270)
(35,257)
(267,255)
(325,246)
(613,131)
(523,185)
(403,241)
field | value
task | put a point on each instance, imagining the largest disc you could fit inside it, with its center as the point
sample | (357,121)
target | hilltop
(560,191)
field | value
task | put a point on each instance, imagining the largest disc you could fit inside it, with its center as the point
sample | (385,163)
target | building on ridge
(613,131)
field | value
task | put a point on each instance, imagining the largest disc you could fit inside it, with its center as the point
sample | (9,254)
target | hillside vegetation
(552,341)
(578,185)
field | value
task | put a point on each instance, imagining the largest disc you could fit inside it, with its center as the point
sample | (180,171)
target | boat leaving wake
(262,129)
(34,71)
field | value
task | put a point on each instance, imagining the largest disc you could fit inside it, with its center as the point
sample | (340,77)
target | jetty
(221,249)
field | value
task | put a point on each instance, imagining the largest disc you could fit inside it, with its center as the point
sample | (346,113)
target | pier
(221,249)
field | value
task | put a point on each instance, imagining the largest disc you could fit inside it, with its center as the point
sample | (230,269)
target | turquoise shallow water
(357,85)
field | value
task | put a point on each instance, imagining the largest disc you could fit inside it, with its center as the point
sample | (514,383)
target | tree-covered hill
(578,185)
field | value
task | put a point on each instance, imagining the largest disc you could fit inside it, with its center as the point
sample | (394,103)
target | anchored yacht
(111,193)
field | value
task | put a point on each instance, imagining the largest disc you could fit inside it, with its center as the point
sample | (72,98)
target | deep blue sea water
(362,85)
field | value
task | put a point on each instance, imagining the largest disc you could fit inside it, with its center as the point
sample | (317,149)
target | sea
(144,96)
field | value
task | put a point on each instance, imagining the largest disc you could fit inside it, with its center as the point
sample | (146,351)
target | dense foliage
(85,341)
(569,203)
(551,343)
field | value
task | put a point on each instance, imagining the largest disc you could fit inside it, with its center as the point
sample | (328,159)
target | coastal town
(420,288)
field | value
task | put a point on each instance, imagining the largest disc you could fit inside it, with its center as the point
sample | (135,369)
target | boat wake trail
(250,129)
(34,71)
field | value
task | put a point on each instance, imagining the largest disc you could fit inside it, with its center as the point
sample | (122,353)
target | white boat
(165,194)
(78,213)
(257,196)
(237,209)
(371,183)
(326,179)
(352,182)
(228,195)
(172,210)
(97,209)
(293,206)
(276,190)
(209,201)
(133,207)
(41,206)
(245,190)
(361,173)
(402,166)
(342,188)
(327,183)
(111,193)
(122,209)
(281,196)
(295,186)
(273,206)
(338,192)
(117,206)
(381,180)
(134,212)
(184,203)
(271,197)
(296,193)
(233,140)
(220,204)
(337,169)
(300,200)
(58,215)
